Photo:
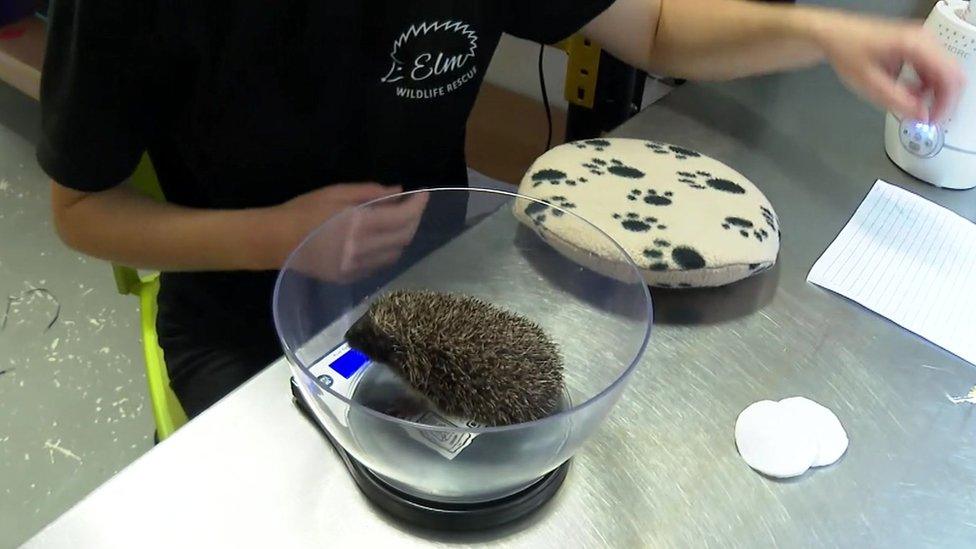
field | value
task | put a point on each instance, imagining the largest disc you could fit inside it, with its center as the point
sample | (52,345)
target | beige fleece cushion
(687,220)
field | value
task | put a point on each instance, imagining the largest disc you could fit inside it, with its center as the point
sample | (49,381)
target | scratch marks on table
(55,446)
(970,397)
(770,319)
(841,395)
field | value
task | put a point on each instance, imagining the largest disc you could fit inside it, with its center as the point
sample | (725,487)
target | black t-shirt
(250,103)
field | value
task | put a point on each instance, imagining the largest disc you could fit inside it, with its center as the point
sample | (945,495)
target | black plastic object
(440,515)
(618,95)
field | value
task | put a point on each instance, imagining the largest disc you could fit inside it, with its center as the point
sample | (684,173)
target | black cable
(11,299)
(545,97)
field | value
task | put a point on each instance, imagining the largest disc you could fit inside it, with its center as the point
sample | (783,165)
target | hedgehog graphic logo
(432,55)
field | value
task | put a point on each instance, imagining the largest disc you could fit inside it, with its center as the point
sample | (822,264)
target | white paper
(911,261)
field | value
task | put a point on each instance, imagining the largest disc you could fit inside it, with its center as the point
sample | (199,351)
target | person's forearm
(123,226)
(711,39)
(723,39)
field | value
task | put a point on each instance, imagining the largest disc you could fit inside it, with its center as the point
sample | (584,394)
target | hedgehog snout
(365,337)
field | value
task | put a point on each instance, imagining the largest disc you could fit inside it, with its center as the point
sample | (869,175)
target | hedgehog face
(365,336)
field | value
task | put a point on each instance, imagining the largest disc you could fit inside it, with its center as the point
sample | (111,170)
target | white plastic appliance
(942,154)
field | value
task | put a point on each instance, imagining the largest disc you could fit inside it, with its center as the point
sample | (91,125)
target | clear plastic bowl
(466,241)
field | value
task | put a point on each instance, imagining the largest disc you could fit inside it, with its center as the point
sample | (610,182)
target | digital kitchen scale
(342,370)
(410,459)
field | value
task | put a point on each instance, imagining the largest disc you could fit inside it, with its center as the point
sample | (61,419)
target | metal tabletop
(663,470)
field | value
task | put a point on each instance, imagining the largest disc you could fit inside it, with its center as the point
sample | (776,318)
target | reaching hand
(868,55)
(359,240)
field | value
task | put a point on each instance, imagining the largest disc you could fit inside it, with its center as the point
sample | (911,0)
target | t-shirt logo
(432,59)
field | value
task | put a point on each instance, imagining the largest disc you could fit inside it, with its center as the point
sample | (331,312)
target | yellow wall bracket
(581,69)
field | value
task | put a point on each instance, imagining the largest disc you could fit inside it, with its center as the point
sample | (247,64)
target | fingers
(361,266)
(939,74)
(373,262)
(373,237)
(882,88)
(388,216)
(376,242)
(387,226)
(358,193)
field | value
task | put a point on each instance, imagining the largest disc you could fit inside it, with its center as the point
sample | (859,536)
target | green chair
(167,411)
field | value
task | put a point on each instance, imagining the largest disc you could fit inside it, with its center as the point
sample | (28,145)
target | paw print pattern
(665,258)
(654,199)
(620,169)
(547,176)
(691,179)
(745,227)
(657,148)
(598,144)
(680,153)
(553,177)
(651,197)
(596,166)
(562,202)
(658,255)
(635,223)
(694,180)
(687,258)
(536,211)
(770,218)
(615,167)
(725,185)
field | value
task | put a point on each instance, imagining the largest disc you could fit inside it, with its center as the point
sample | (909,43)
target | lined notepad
(911,261)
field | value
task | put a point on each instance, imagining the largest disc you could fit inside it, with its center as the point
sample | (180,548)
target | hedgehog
(469,358)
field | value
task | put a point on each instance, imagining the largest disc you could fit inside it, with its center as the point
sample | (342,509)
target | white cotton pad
(774,443)
(824,425)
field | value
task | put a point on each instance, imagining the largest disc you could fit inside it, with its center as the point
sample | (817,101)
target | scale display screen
(349,363)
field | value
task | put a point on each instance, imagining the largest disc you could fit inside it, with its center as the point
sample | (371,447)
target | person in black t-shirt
(263,119)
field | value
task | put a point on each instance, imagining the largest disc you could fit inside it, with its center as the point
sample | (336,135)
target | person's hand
(868,55)
(360,240)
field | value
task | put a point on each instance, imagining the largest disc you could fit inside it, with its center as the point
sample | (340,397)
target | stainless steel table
(663,471)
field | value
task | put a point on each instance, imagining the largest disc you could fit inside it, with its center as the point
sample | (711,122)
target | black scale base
(441,515)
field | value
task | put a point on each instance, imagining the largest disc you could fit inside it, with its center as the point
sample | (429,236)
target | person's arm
(124,226)
(105,89)
(722,39)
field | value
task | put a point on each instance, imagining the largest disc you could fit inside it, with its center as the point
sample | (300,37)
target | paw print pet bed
(687,220)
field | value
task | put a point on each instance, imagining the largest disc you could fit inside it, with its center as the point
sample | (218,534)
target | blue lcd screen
(349,363)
